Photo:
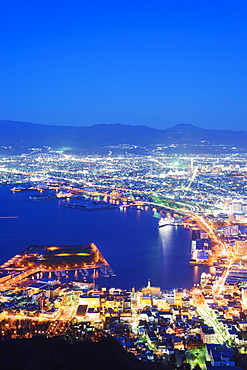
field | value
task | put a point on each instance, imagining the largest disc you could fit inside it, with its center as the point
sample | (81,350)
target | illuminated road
(13,281)
(221,335)
(220,285)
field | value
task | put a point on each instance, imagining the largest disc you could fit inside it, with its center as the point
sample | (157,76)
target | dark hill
(58,354)
(20,137)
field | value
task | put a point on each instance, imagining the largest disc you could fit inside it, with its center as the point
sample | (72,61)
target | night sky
(156,63)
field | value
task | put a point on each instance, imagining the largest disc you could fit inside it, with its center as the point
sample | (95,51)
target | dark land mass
(21,137)
(56,353)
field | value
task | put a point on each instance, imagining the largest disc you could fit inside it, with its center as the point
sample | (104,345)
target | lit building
(43,303)
(161,303)
(91,301)
(240,247)
(207,334)
(235,207)
(231,230)
(151,290)
(244,296)
(178,296)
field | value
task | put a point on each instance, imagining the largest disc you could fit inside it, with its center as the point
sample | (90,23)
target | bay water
(129,239)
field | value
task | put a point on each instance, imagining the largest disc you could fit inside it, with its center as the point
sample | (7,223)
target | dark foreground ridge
(60,354)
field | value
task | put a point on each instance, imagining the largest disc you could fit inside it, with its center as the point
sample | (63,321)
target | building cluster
(200,326)
(200,183)
(178,326)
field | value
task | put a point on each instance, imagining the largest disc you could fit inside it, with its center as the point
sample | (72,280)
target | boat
(104,272)
(36,198)
(64,194)
(166,221)
(110,272)
(85,272)
(19,188)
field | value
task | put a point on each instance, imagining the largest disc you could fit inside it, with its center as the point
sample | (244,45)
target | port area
(59,262)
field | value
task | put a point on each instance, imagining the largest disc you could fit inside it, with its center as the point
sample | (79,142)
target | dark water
(129,239)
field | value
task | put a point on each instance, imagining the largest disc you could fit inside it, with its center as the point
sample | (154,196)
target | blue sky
(156,63)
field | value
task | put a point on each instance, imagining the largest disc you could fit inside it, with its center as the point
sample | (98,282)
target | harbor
(63,262)
(114,231)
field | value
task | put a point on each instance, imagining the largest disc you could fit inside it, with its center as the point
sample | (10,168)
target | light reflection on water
(129,239)
(196,273)
(166,234)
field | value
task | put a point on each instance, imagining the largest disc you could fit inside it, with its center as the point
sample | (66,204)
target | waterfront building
(200,256)
(161,303)
(178,296)
(151,290)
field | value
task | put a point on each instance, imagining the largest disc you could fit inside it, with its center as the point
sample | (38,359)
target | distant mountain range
(22,137)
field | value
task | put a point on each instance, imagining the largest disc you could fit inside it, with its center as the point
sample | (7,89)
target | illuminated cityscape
(52,290)
(123,185)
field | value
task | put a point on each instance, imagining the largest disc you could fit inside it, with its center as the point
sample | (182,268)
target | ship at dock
(19,188)
(169,221)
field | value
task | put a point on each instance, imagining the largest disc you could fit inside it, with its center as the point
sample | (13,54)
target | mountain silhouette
(22,137)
